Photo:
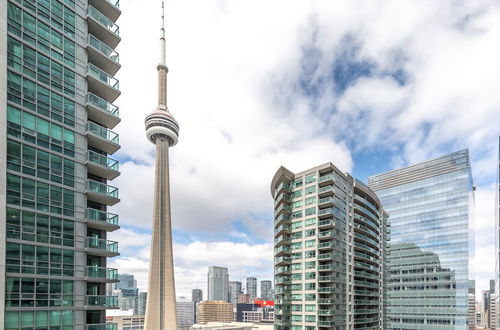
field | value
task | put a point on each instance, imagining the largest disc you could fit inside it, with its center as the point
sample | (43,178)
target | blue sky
(255,85)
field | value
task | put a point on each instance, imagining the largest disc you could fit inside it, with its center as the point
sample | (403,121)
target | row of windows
(40,196)
(305,297)
(307,212)
(39,163)
(36,130)
(307,286)
(31,292)
(40,260)
(308,244)
(307,265)
(41,36)
(53,320)
(306,223)
(307,318)
(35,97)
(36,227)
(53,11)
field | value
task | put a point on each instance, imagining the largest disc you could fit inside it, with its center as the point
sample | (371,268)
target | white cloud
(233,86)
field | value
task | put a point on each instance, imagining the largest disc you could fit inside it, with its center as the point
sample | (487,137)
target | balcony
(282,251)
(101,165)
(280,219)
(102,247)
(110,8)
(282,187)
(103,27)
(325,312)
(101,220)
(282,240)
(102,326)
(325,301)
(102,193)
(325,267)
(325,246)
(92,302)
(325,256)
(102,55)
(101,274)
(326,290)
(102,84)
(101,111)
(282,230)
(324,224)
(325,191)
(102,138)
(328,278)
(286,209)
(325,179)
(325,201)
(325,234)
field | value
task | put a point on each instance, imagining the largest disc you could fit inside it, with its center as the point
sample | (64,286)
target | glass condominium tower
(432,242)
(329,251)
(57,88)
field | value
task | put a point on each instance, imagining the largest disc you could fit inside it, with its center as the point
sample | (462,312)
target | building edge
(3,150)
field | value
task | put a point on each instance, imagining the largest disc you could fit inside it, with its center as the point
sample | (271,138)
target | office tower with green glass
(57,89)
(432,242)
(329,251)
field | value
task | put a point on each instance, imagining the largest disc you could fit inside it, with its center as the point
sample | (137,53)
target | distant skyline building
(432,237)
(127,292)
(163,131)
(234,291)
(185,312)
(196,295)
(472,306)
(329,253)
(58,89)
(141,303)
(266,290)
(251,287)
(214,311)
(497,240)
(218,283)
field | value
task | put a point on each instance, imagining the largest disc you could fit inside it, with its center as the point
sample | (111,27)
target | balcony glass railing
(104,301)
(102,244)
(104,49)
(103,76)
(103,132)
(106,22)
(102,188)
(97,215)
(102,160)
(102,326)
(102,104)
(102,272)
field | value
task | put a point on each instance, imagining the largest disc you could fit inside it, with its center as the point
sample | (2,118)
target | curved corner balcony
(102,138)
(101,193)
(101,220)
(102,84)
(102,55)
(109,8)
(102,326)
(103,27)
(102,165)
(101,302)
(102,111)
(101,274)
(101,247)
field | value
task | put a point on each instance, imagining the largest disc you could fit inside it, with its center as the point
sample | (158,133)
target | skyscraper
(266,290)
(127,292)
(185,312)
(57,67)
(432,242)
(329,249)
(218,283)
(163,131)
(251,287)
(196,295)
(234,291)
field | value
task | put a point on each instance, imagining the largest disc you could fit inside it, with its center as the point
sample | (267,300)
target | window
(297,204)
(310,211)
(297,194)
(309,286)
(297,224)
(310,178)
(296,318)
(310,264)
(310,275)
(296,235)
(310,308)
(310,318)
(296,277)
(310,297)
(296,287)
(310,243)
(296,256)
(310,190)
(309,232)
(296,308)
(310,200)
(310,222)
(296,246)
(296,215)
(296,297)
(297,183)
(310,254)
(297,266)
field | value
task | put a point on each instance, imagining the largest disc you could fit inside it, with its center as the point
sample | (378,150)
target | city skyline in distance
(222,156)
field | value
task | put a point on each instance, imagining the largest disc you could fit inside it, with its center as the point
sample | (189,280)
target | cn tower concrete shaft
(161,308)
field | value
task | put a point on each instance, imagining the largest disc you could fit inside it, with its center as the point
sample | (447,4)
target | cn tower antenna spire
(162,36)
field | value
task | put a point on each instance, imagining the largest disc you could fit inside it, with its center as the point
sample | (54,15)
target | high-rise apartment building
(234,291)
(251,287)
(218,283)
(57,88)
(266,290)
(214,311)
(432,242)
(330,245)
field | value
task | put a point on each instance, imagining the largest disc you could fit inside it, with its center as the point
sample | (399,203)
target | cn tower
(163,131)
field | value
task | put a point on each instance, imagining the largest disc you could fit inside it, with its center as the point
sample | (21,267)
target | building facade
(196,295)
(330,245)
(127,322)
(218,283)
(214,311)
(472,305)
(57,88)
(432,242)
(185,313)
(234,291)
(251,287)
(266,290)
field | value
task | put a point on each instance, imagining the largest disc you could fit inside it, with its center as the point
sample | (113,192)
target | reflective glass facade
(431,244)
(56,165)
